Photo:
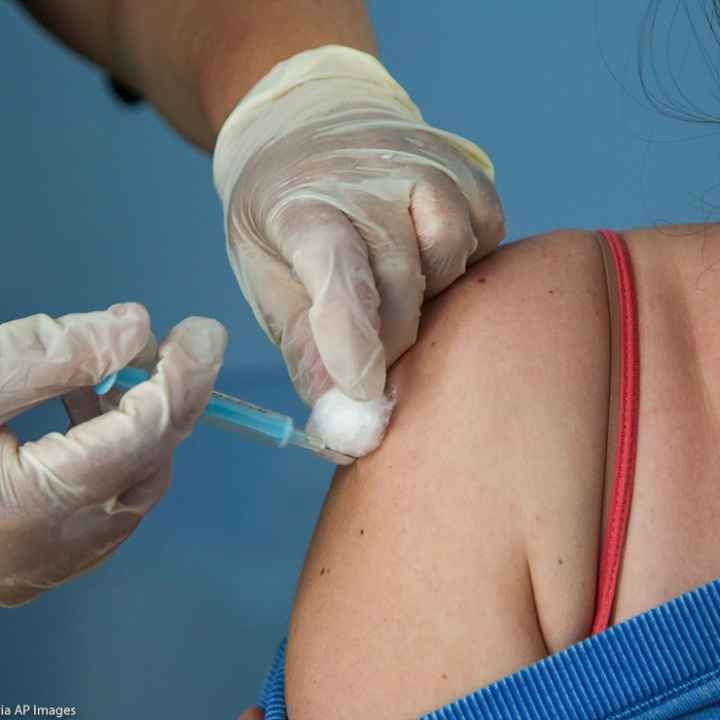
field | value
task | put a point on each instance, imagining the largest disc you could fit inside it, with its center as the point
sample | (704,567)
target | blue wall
(102,204)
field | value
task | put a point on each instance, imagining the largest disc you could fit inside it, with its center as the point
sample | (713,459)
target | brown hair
(656,65)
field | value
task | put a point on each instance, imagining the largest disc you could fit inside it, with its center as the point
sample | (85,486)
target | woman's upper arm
(465,547)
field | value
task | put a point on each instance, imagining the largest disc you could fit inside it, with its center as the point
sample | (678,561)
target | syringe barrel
(228,413)
(245,418)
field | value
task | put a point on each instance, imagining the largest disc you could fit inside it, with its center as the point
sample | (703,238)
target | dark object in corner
(123,93)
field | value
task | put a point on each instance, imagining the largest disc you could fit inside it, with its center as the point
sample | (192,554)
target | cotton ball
(350,426)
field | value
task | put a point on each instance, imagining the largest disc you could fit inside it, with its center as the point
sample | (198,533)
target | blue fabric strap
(272,698)
(659,665)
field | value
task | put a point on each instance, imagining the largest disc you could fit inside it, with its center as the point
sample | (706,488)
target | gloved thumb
(42,357)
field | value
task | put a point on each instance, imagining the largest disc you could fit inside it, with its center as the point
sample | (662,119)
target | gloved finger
(143,496)
(444,230)
(330,259)
(101,459)
(84,404)
(392,241)
(41,357)
(147,358)
(189,360)
(467,169)
(486,214)
(281,305)
(302,357)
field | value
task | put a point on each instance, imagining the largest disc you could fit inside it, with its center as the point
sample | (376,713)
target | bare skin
(466,548)
(194,60)
(252,714)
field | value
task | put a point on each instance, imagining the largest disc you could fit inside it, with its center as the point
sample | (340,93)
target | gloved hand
(67,501)
(343,211)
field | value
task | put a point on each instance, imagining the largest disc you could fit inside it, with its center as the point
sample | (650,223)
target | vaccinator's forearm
(194,59)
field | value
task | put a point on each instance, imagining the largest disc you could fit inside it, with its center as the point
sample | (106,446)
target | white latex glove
(67,501)
(343,211)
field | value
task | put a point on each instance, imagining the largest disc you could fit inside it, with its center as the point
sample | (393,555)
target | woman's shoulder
(525,277)
(465,547)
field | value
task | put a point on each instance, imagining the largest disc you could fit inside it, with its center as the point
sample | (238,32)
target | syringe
(230,413)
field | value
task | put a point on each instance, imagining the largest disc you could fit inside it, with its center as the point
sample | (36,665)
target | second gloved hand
(344,210)
(67,501)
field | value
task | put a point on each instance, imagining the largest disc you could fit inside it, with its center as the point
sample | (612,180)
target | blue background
(102,204)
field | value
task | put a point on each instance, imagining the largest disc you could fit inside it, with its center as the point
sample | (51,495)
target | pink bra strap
(627,427)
